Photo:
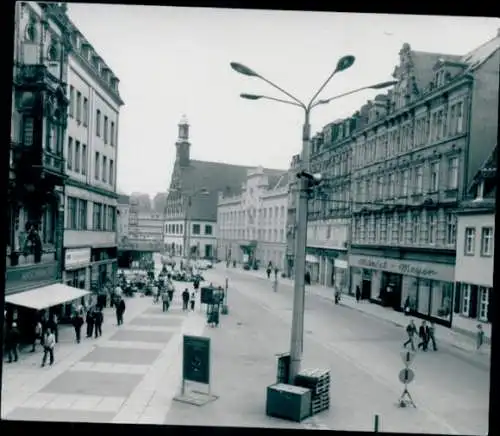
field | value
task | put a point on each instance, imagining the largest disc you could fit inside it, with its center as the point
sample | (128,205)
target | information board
(196,359)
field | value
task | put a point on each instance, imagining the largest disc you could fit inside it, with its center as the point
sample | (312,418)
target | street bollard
(376,424)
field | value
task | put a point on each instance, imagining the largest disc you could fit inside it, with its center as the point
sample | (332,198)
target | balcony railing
(53,162)
(37,74)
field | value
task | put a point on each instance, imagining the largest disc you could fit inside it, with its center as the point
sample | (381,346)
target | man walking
(192,300)
(98,320)
(48,348)
(77,325)
(423,333)
(185,299)
(165,298)
(120,310)
(37,335)
(12,342)
(432,338)
(411,330)
(90,321)
(358,294)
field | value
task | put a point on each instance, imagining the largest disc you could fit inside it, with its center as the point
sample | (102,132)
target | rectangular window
(460,118)
(378,228)
(451,229)
(470,241)
(392,185)
(415,236)
(105,129)
(82,214)
(196,229)
(97,164)
(77,156)
(484,300)
(84,159)
(431,228)
(401,228)
(419,179)
(208,229)
(85,110)
(97,217)
(453,120)
(487,241)
(71,101)
(405,183)
(79,106)
(390,229)
(72,213)
(98,123)
(69,156)
(111,172)
(453,173)
(434,177)
(112,133)
(104,168)
(27,131)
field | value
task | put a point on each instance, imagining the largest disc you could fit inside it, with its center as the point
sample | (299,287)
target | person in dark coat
(307,278)
(98,320)
(120,310)
(165,298)
(358,294)
(90,322)
(77,325)
(12,342)
(423,333)
(52,324)
(185,299)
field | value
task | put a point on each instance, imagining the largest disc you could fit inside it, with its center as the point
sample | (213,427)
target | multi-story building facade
(253,224)
(122,218)
(192,199)
(328,230)
(90,242)
(291,219)
(476,246)
(415,151)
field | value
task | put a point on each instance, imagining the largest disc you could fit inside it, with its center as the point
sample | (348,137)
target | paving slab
(157,321)
(142,336)
(92,383)
(119,355)
(26,414)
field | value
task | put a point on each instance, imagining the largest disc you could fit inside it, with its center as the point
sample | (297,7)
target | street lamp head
(344,63)
(242,69)
(250,96)
(383,85)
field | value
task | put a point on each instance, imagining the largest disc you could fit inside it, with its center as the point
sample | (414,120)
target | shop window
(424,294)
(442,293)
(466,294)
(483,303)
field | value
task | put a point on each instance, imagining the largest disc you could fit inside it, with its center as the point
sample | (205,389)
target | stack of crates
(318,381)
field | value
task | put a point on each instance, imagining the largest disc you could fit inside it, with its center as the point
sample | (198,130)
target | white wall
(476,269)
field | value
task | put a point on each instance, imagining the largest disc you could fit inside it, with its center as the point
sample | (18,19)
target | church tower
(183,145)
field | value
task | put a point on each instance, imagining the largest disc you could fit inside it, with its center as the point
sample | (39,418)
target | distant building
(91,150)
(291,220)
(159,202)
(476,246)
(415,152)
(123,217)
(252,225)
(191,209)
(143,201)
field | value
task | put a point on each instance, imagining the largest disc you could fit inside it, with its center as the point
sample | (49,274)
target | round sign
(406,376)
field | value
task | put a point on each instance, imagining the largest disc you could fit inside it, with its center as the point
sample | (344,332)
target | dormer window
(95,62)
(341,131)
(480,190)
(85,50)
(439,78)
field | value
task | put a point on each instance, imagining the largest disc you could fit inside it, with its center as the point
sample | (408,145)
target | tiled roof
(423,66)
(282,182)
(215,177)
(488,168)
(485,204)
(480,54)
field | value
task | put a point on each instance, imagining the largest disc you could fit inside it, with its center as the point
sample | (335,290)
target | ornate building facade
(414,153)
(252,225)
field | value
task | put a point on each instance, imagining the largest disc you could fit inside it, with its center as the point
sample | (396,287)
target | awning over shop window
(47,296)
(311,259)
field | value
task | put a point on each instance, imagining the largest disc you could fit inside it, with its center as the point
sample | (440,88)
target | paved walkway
(458,337)
(128,375)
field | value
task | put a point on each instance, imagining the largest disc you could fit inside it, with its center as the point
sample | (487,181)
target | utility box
(283,372)
(288,402)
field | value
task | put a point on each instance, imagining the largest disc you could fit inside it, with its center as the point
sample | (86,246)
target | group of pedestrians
(426,334)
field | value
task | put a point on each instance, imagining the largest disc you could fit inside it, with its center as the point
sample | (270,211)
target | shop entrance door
(366,287)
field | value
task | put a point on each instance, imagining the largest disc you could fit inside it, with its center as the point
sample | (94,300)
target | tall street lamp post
(297,334)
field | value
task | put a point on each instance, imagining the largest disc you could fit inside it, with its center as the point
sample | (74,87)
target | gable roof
(215,177)
(481,54)
(424,62)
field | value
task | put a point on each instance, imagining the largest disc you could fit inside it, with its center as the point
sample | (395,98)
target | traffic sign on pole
(406,376)
(407,357)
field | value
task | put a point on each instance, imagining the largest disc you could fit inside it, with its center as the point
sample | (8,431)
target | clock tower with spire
(183,145)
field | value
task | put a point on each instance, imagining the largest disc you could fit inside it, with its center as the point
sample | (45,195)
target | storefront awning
(47,296)
(311,259)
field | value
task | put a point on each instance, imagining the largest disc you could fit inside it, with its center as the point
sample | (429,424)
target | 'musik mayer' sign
(196,359)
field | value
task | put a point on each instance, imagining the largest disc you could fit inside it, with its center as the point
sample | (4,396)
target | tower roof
(183,120)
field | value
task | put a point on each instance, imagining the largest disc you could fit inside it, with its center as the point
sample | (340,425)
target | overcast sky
(174,61)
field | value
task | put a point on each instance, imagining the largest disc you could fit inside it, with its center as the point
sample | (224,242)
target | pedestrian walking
(411,331)
(479,337)
(307,278)
(37,335)
(12,343)
(77,325)
(423,333)
(156,294)
(185,299)
(432,337)
(52,324)
(98,320)
(48,348)
(268,270)
(90,321)
(165,298)
(192,300)
(358,293)
(170,290)
(120,310)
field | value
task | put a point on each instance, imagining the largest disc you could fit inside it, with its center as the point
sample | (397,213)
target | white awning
(311,259)
(46,296)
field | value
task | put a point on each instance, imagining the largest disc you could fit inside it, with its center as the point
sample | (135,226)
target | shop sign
(76,258)
(24,276)
(413,268)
